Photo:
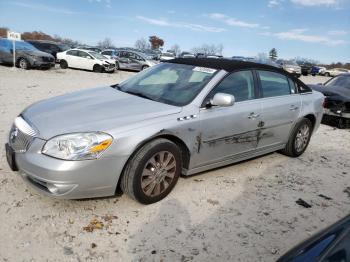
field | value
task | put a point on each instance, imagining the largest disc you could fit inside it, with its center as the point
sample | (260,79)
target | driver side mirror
(223,100)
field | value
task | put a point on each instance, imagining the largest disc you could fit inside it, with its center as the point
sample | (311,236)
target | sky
(315,29)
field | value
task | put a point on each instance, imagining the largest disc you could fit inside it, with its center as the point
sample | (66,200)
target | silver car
(182,117)
(132,60)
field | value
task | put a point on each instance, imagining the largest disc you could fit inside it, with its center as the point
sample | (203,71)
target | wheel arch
(185,152)
(312,118)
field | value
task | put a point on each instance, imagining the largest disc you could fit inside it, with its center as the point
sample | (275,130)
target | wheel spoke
(146,182)
(157,189)
(170,166)
(151,188)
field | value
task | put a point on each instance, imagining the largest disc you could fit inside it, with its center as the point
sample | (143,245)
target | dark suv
(49,46)
(27,56)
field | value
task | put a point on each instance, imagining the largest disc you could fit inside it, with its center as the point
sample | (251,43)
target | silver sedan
(182,117)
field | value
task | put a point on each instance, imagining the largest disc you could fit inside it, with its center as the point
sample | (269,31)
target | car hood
(99,109)
(33,53)
(338,91)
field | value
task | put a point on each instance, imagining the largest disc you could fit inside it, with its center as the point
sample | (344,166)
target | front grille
(21,135)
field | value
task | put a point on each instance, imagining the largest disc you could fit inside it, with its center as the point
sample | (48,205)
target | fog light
(53,188)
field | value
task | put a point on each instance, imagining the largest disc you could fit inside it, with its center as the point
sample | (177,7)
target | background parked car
(110,53)
(84,59)
(167,56)
(133,60)
(291,67)
(305,67)
(316,70)
(337,101)
(49,46)
(335,71)
(27,56)
(91,48)
(187,55)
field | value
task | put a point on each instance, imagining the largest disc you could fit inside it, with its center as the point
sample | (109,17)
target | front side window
(273,84)
(83,54)
(173,84)
(239,84)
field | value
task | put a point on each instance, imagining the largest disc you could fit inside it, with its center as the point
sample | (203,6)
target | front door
(227,132)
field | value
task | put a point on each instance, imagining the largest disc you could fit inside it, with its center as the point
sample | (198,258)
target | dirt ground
(243,212)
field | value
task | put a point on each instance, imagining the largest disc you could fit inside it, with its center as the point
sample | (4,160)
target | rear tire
(152,172)
(299,138)
(23,64)
(63,64)
(327,74)
(97,69)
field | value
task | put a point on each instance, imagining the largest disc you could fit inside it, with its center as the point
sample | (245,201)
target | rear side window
(273,84)
(72,52)
(239,84)
(293,86)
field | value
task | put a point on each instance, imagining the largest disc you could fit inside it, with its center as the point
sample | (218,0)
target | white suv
(85,59)
(335,71)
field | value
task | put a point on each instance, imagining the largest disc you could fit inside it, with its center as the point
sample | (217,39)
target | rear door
(72,58)
(123,59)
(228,132)
(281,106)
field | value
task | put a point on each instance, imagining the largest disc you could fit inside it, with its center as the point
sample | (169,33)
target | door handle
(293,108)
(252,115)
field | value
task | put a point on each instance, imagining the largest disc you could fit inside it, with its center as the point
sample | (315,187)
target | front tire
(23,64)
(299,138)
(327,74)
(97,69)
(152,172)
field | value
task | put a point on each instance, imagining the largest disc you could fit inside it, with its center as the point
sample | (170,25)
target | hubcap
(23,64)
(302,138)
(158,173)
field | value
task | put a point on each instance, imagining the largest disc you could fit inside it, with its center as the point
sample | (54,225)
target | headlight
(77,146)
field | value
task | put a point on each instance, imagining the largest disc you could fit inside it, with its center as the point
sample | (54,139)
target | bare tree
(105,43)
(207,49)
(176,49)
(142,44)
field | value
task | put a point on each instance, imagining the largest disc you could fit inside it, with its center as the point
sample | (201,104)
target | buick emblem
(13,135)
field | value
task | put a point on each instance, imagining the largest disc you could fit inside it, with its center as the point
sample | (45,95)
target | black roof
(225,64)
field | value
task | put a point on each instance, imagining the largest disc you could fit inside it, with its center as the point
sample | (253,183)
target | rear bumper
(69,179)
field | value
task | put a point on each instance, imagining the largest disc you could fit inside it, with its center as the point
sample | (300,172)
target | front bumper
(109,68)
(40,64)
(337,113)
(68,179)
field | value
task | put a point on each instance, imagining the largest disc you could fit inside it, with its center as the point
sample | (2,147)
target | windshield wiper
(116,86)
(135,93)
(139,94)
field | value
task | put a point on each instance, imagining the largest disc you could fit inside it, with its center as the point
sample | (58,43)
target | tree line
(154,42)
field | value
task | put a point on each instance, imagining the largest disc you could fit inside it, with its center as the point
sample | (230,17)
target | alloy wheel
(158,173)
(302,138)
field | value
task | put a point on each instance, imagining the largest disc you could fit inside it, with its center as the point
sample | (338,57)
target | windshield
(173,84)
(168,54)
(97,55)
(291,62)
(343,81)
(21,45)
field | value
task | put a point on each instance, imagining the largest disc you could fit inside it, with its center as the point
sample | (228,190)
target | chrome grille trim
(21,135)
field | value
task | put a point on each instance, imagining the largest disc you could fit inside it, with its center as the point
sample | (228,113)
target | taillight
(325,103)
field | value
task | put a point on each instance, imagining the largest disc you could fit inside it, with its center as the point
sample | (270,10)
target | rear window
(273,84)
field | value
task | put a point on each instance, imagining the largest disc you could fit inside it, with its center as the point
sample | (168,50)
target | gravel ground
(243,212)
